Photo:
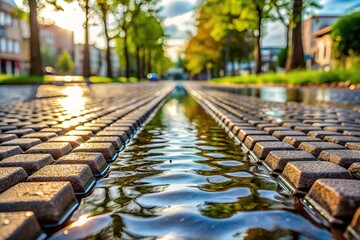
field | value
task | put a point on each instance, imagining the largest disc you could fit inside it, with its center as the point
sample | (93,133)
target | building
(115,63)
(54,40)
(95,59)
(323,48)
(312,25)
(11,55)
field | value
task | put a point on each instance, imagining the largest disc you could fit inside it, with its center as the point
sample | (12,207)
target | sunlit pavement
(182,169)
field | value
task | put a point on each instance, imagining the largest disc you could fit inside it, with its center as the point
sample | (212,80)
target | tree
(35,53)
(65,63)
(86,65)
(345,36)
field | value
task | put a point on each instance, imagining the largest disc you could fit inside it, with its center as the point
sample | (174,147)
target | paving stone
(251,140)
(43,136)
(316,148)
(20,132)
(7,137)
(353,145)
(58,131)
(9,176)
(36,127)
(29,162)
(303,174)
(244,133)
(56,149)
(74,141)
(353,230)
(93,129)
(23,143)
(352,133)
(124,124)
(297,140)
(107,149)
(95,161)
(323,134)
(86,135)
(262,149)
(115,141)
(51,202)
(307,129)
(126,129)
(20,225)
(7,128)
(277,160)
(354,169)
(342,140)
(340,128)
(79,175)
(121,134)
(8,151)
(338,197)
(282,134)
(271,130)
(343,158)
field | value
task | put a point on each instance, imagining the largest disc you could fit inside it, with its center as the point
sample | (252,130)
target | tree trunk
(109,72)
(287,36)
(35,54)
(86,64)
(127,59)
(257,44)
(143,62)
(149,61)
(138,64)
(296,52)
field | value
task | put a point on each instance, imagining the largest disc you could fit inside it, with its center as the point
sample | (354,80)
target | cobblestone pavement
(314,151)
(56,142)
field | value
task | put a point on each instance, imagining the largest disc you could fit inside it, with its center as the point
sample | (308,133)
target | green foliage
(64,63)
(48,58)
(296,78)
(282,57)
(17,80)
(345,35)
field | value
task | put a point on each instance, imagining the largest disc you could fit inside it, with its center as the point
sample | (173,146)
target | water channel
(182,177)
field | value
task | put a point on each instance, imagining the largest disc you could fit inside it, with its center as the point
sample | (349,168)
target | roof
(322,32)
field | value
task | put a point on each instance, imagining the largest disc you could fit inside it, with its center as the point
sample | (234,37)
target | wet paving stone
(297,140)
(302,174)
(277,160)
(282,134)
(251,140)
(56,149)
(323,134)
(79,175)
(74,141)
(43,136)
(9,176)
(316,148)
(23,143)
(29,162)
(51,202)
(342,140)
(336,199)
(353,145)
(262,149)
(95,161)
(7,137)
(86,135)
(120,134)
(115,141)
(354,169)
(342,158)
(20,132)
(20,225)
(8,151)
(353,230)
(244,133)
(105,148)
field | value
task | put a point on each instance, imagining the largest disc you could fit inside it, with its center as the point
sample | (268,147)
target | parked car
(152,77)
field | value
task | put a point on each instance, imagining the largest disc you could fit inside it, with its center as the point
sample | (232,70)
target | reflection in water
(183,178)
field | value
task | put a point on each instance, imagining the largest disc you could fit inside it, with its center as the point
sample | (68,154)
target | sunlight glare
(74,103)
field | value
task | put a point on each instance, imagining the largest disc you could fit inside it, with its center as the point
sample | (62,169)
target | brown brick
(9,176)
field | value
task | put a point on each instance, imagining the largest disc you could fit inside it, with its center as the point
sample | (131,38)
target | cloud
(175,8)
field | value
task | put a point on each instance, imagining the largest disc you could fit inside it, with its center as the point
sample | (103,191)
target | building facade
(312,25)
(11,56)
(95,59)
(323,48)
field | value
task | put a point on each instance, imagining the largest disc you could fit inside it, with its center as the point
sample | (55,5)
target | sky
(179,22)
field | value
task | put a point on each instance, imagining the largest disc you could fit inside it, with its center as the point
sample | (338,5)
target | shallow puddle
(182,177)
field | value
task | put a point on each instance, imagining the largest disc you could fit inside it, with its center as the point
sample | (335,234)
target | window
(2,18)
(2,45)
(10,46)
(5,19)
(8,19)
(16,47)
